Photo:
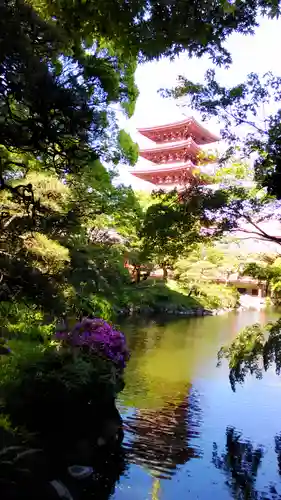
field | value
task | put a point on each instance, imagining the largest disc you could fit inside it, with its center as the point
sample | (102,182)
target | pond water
(187,435)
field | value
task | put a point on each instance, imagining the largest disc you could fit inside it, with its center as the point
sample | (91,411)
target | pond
(187,435)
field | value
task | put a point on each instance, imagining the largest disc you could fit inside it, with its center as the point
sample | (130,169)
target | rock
(101,441)
(208,313)
(80,471)
(61,490)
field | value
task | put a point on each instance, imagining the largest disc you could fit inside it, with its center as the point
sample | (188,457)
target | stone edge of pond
(192,312)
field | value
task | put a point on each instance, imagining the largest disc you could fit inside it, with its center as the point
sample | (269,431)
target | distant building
(245,285)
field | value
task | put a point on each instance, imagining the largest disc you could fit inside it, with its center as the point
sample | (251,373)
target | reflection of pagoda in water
(175,153)
(160,439)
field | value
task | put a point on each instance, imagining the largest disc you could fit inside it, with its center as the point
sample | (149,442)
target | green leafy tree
(205,264)
(151,29)
(55,251)
(173,223)
(267,269)
(255,349)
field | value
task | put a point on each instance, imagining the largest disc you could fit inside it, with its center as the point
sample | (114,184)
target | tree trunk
(165,272)
(137,274)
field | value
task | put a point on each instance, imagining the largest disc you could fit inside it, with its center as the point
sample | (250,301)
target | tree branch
(240,121)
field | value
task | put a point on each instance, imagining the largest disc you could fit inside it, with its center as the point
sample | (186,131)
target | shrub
(97,337)
(24,322)
(58,393)
(215,296)
(54,390)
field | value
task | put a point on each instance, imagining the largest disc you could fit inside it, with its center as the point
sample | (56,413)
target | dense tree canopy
(154,28)
(173,223)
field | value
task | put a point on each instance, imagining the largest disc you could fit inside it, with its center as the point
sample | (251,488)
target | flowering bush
(98,337)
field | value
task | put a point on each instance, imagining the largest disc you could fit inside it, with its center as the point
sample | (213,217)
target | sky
(257,53)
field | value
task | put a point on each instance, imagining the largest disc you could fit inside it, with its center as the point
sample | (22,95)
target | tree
(205,264)
(151,29)
(248,132)
(56,119)
(172,225)
(65,69)
(246,124)
(266,268)
(51,260)
(255,349)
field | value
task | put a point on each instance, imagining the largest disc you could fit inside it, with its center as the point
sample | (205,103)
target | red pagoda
(175,154)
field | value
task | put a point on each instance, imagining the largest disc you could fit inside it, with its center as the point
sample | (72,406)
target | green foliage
(255,349)
(170,296)
(131,148)
(156,297)
(52,261)
(212,296)
(197,273)
(41,390)
(233,173)
(66,68)
(153,29)
(23,322)
(173,224)
(267,269)
(205,263)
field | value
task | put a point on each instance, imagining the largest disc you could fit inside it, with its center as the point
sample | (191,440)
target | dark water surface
(187,435)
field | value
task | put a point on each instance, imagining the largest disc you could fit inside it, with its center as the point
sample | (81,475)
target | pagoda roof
(188,144)
(146,173)
(188,126)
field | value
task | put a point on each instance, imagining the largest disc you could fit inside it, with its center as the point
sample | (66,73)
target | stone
(61,490)
(80,471)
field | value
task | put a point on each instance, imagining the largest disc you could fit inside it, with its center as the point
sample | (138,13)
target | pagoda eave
(180,175)
(170,132)
(170,153)
(164,168)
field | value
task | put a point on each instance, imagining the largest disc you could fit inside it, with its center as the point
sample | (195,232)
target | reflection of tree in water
(160,439)
(278,451)
(240,462)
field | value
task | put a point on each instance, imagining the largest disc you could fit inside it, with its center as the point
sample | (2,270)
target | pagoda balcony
(174,153)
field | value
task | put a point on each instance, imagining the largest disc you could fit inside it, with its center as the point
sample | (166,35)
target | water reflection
(176,403)
(240,462)
(161,440)
(278,451)
(162,429)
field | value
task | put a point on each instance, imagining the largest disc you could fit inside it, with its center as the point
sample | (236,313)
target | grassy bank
(160,296)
